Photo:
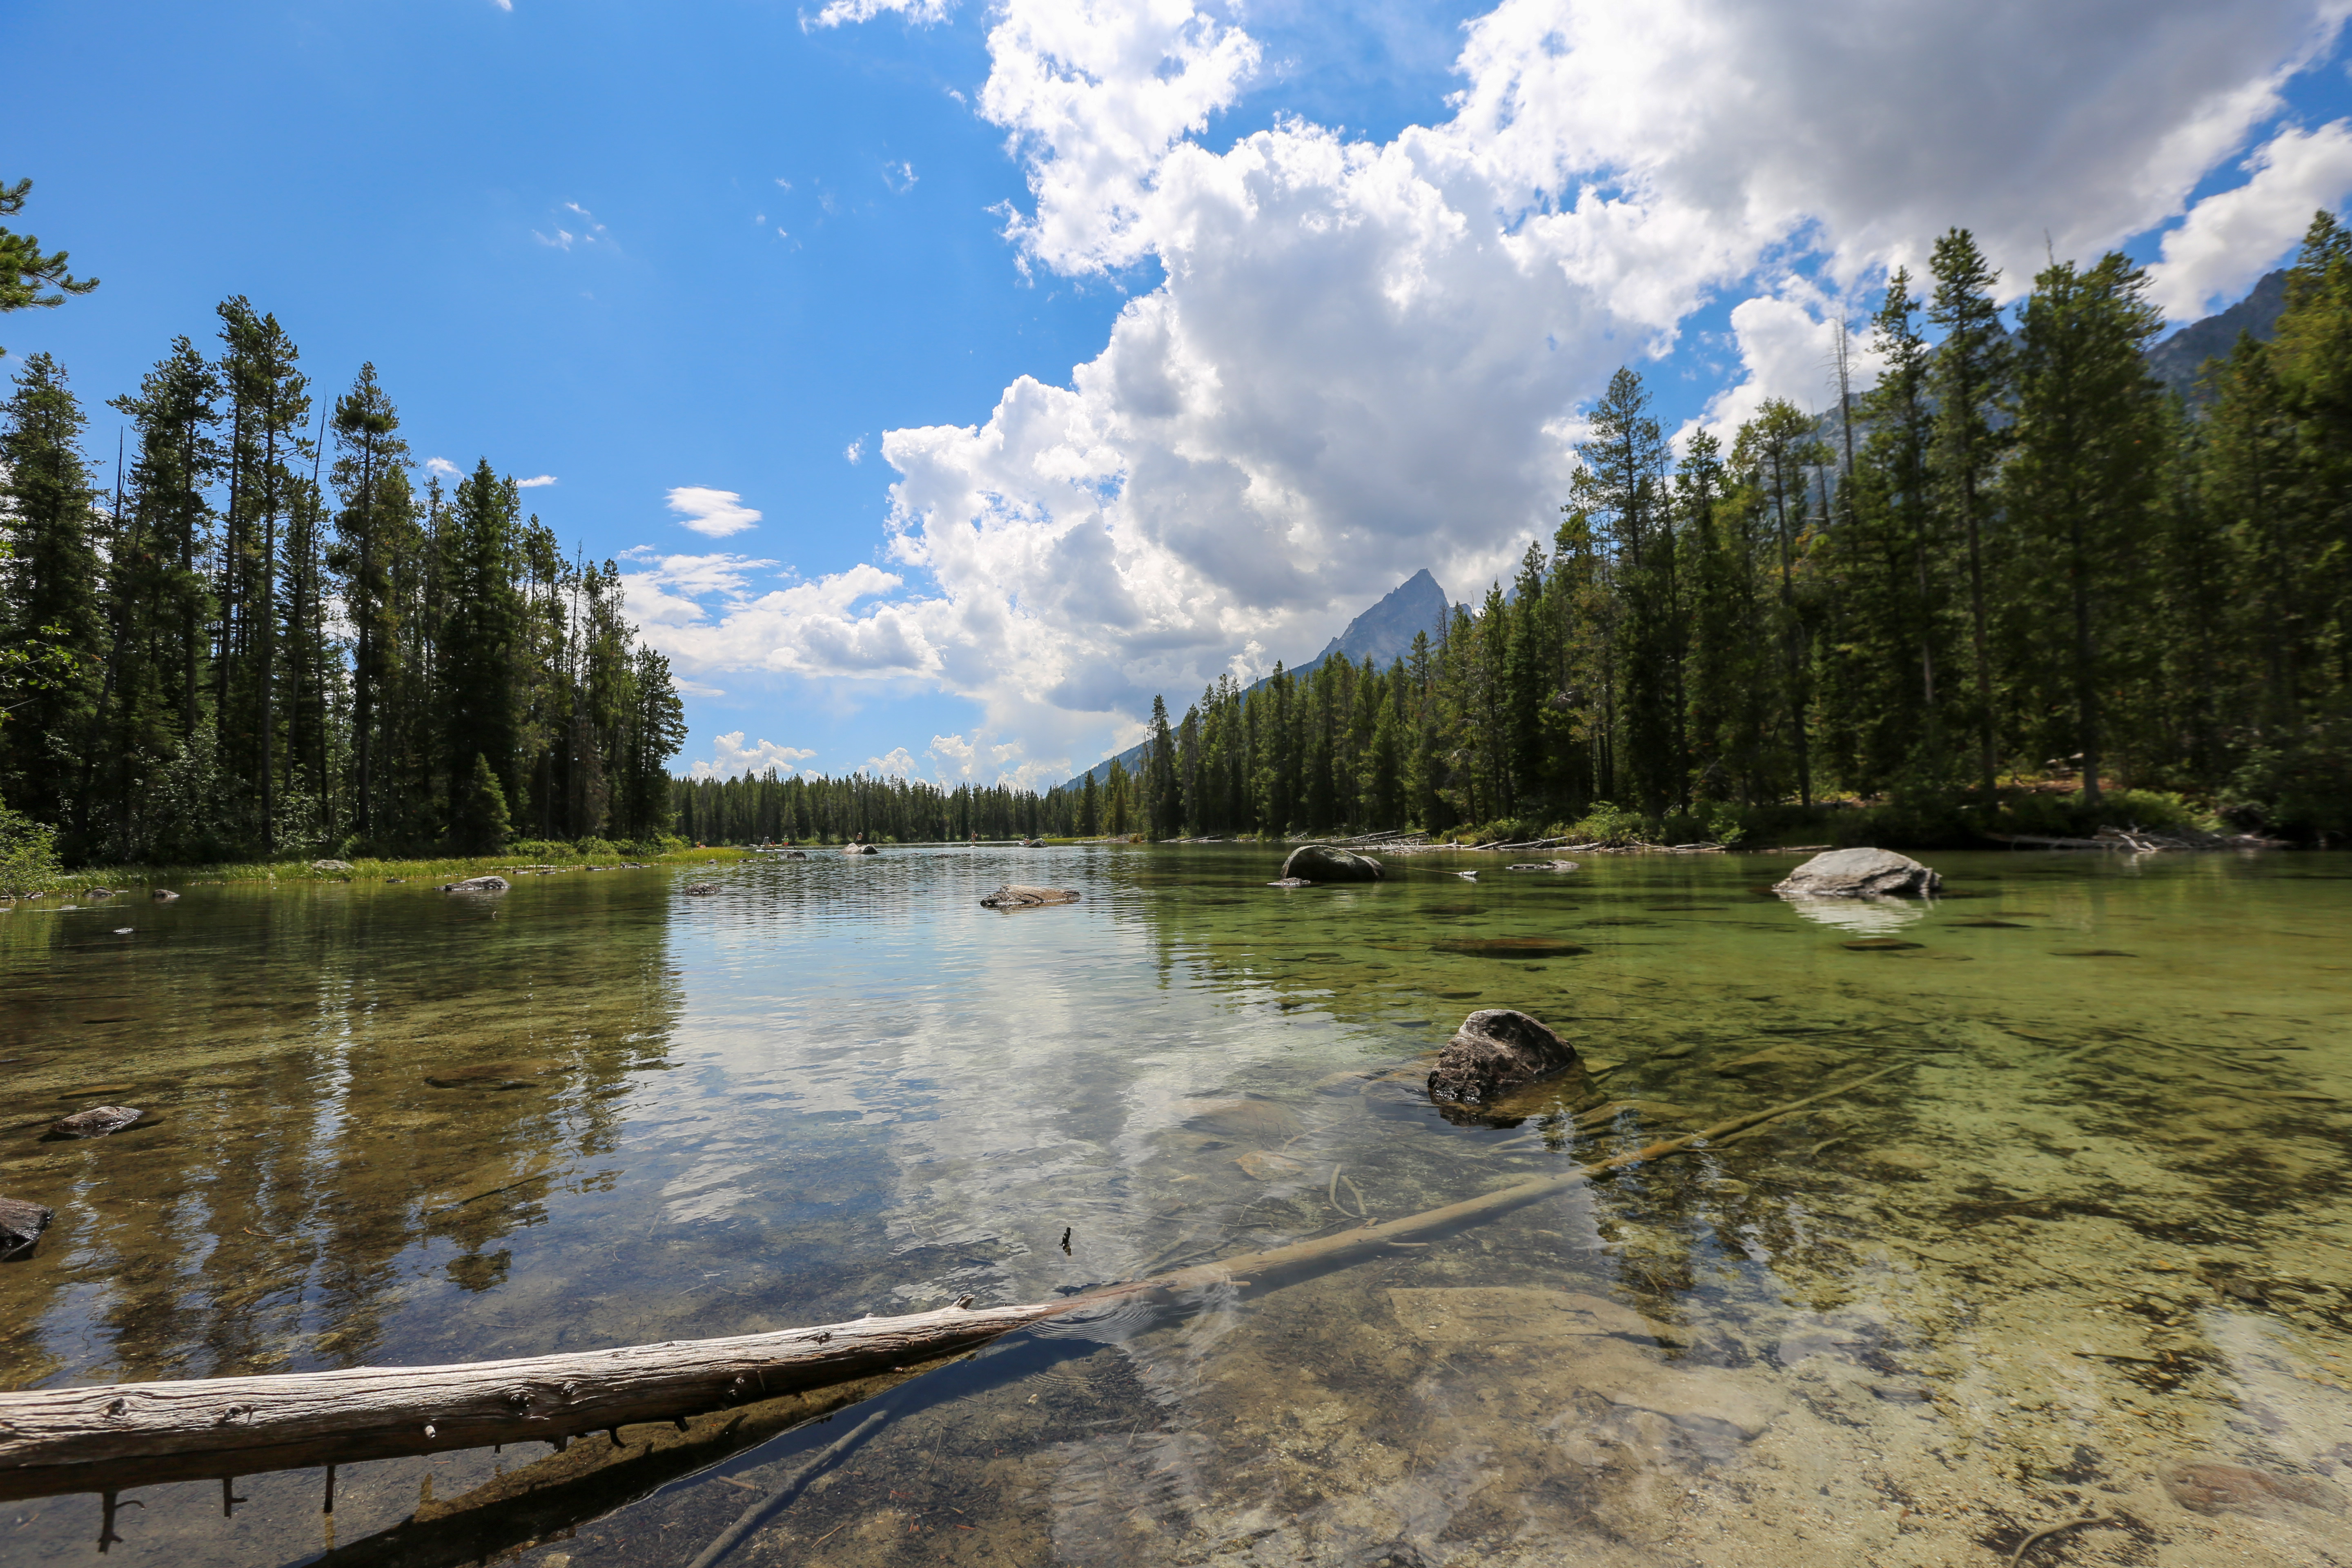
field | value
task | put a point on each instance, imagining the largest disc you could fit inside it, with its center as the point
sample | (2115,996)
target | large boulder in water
(480,885)
(1329,863)
(1495,1051)
(1860,874)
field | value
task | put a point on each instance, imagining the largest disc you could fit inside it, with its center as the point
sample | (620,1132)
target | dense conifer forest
(2017,556)
(262,638)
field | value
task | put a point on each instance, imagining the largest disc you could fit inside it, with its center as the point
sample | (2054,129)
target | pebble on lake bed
(96,1123)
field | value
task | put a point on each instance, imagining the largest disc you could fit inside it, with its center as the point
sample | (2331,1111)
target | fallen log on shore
(2140,841)
(110,1438)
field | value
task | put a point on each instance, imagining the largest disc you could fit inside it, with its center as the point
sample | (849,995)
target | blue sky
(1342,277)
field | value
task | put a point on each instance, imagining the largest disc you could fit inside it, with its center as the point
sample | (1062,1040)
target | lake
(2089,1253)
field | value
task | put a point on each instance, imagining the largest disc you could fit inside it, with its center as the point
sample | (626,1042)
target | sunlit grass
(445,868)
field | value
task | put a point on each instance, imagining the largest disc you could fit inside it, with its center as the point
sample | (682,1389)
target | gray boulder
(165,895)
(1860,874)
(1495,1051)
(1329,863)
(21,1224)
(330,864)
(480,885)
(97,1121)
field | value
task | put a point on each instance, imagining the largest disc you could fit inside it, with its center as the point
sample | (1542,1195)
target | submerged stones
(97,1121)
(1329,863)
(2212,1486)
(1011,896)
(1498,1049)
(495,1076)
(163,895)
(1542,866)
(700,890)
(1508,947)
(476,885)
(1860,874)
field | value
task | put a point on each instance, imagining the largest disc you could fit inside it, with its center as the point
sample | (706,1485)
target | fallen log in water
(109,1437)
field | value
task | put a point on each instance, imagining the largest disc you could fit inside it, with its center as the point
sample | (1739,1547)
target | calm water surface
(2097,1230)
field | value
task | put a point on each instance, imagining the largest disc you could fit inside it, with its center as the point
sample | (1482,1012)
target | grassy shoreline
(443,868)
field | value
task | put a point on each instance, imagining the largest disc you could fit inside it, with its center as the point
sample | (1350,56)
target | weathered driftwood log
(1012,896)
(88,1439)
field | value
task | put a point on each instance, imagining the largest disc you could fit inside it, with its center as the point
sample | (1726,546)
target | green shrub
(28,854)
(2300,787)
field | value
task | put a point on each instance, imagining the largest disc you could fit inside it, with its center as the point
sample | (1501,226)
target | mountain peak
(1382,634)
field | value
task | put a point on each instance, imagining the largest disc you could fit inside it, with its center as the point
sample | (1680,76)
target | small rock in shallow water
(21,1224)
(494,1075)
(2210,1487)
(96,1123)
(1015,897)
(1495,1049)
(1860,874)
(701,890)
(476,885)
(163,895)
(1290,883)
(98,892)
(1267,1166)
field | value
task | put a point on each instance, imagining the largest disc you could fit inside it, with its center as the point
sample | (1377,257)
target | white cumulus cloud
(716,513)
(731,758)
(1367,357)
(537,481)
(2233,236)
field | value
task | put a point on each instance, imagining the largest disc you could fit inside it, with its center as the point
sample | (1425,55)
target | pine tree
(24,272)
(2083,480)
(474,693)
(367,475)
(1967,384)
(53,622)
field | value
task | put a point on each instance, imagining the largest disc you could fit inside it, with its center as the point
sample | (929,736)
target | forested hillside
(2022,557)
(263,638)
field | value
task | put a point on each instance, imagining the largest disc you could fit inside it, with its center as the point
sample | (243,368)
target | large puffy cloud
(2233,237)
(1366,358)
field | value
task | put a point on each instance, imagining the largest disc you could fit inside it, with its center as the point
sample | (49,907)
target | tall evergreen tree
(53,617)
(1967,384)
(2084,482)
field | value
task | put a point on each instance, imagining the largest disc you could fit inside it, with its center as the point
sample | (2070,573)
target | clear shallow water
(2097,1229)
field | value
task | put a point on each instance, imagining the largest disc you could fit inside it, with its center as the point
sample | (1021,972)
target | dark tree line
(2017,554)
(757,808)
(262,638)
